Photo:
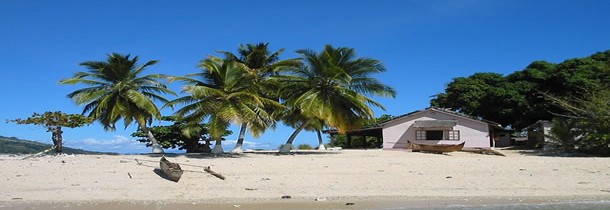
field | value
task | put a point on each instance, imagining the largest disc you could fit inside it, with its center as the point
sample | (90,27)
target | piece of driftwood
(42,152)
(220,176)
(484,151)
(171,170)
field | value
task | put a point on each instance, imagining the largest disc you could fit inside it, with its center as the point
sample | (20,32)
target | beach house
(430,126)
(441,126)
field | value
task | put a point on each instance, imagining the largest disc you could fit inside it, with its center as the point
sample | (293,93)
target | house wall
(396,133)
(502,139)
(537,133)
(546,128)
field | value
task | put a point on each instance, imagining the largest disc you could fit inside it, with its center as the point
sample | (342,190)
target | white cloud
(127,145)
(118,143)
(246,144)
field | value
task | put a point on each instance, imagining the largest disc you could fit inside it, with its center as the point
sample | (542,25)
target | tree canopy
(175,136)
(53,122)
(333,87)
(118,90)
(517,100)
(575,93)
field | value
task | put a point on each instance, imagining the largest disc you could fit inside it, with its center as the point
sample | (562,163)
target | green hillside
(13,145)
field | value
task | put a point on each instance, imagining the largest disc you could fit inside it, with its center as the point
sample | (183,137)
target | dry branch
(220,176)
(44,151)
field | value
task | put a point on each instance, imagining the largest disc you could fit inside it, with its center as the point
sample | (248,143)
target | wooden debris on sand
(484,151)
(171,170)
(220,176)
(42,152)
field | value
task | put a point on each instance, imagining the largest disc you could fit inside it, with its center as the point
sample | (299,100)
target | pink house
(440,126)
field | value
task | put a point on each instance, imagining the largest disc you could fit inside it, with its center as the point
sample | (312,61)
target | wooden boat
(436,148)
(171,170)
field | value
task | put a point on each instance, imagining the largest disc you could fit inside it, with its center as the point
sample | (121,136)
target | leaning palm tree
(294,118)
(332,87)
(117,90)
(223,92)
(261,64)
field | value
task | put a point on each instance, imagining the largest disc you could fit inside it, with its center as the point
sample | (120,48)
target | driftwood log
(484,151)
(220,176)
(42,152)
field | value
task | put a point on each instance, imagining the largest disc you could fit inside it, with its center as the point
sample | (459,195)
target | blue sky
(423,44)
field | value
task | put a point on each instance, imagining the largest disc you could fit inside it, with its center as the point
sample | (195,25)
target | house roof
(537,124)
(379,126)
(446,111)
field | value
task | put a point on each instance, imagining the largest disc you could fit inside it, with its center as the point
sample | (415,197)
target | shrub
(305,147)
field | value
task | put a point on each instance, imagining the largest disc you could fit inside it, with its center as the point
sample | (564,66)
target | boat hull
(438,148)
(171,170)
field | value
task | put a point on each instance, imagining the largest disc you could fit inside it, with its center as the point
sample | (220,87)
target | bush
(282,145)
(305,147)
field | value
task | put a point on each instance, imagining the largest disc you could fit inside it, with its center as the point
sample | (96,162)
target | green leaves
(515,100)
(332,85)
(117,91)
(55,119)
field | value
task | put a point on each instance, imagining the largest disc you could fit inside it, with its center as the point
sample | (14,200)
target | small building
(441,126)
(537,133)
(430,126)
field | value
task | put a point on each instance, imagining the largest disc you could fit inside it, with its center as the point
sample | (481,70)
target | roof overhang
(434,123)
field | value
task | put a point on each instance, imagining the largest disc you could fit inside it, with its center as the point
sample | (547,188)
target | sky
(423,44)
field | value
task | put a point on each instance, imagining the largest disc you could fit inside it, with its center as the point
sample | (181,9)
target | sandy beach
(326,180)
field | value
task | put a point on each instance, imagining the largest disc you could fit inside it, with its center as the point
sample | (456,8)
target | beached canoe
(438,148)
(171,170)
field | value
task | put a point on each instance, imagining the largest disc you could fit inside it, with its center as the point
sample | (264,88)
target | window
(437,135)
(420,135)
(434,135)
(453,135)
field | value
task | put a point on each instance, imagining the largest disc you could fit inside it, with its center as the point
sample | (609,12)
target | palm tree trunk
(286,148)
(218,147)
(156,148)
(320,142)
(240,139)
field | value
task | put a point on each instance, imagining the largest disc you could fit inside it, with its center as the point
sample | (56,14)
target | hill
(13,145)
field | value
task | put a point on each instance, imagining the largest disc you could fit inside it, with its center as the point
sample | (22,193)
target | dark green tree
(54,122)
(175,136)
(517,100)
(590,115)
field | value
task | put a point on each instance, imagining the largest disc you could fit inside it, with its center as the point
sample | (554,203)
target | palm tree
(261,64)
(223,93)
(116,90)
(564,135)
(294,118)
(332,87)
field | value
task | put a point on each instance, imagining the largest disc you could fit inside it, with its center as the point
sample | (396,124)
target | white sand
(256,177)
